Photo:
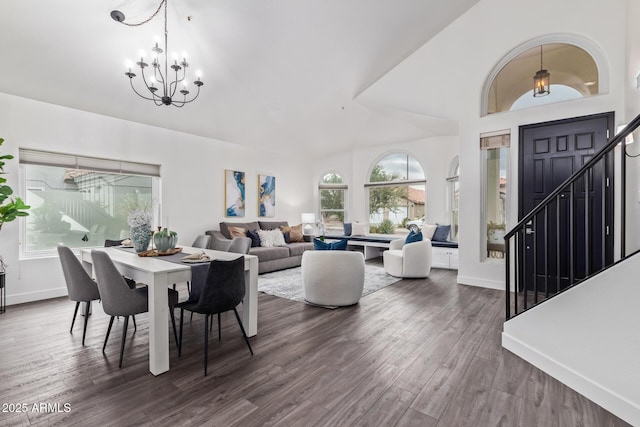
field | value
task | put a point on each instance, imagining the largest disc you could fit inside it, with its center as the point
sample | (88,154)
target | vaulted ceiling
(281,74)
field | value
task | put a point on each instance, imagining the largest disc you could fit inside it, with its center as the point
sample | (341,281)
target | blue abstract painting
(267,195)
(234,193)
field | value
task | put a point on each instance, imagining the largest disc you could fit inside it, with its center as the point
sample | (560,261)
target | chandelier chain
(137,24)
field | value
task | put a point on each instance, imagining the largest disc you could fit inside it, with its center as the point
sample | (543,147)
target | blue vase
(141,237)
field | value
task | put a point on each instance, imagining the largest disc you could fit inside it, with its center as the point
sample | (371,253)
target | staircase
(577,323)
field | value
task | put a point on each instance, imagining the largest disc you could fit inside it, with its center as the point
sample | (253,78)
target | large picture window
(81,201)
(396,193)
(333,194)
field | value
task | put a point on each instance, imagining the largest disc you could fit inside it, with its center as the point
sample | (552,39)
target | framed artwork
(233,193)
(266,195)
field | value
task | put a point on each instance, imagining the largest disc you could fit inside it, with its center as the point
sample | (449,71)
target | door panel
(549,154)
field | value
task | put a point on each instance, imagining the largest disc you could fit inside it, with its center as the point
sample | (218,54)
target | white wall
(192,171)
(434,154)
(444,78)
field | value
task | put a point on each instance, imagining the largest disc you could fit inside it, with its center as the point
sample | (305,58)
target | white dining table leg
(158,331)
(250,302)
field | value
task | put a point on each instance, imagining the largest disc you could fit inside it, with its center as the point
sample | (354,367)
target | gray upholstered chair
(118,299)
(202,241)
(240,245)
(224,289)
(80,286)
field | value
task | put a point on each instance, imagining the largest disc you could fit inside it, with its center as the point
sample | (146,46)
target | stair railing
(547,211)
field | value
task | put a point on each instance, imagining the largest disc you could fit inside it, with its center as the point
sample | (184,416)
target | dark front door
(550,153)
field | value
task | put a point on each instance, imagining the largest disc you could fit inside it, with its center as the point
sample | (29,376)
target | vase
(141,236)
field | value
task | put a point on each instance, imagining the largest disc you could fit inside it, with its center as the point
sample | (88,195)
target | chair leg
(210,323)
(86,319)
(135,326)
(124,339)
(243,332)
(206,343)
(108,332)
(189,287)
(219,329)
(191,318)
(75,312)
(173,323)
(180,340)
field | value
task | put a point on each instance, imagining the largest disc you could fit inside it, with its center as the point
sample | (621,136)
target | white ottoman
(332,277)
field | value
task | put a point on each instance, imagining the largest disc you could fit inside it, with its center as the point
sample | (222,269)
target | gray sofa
(269,259)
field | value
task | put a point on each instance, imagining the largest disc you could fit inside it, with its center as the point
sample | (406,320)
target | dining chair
(202,241)
(118,299)
(224,289)
(240,245)
(80,286)
(132,283)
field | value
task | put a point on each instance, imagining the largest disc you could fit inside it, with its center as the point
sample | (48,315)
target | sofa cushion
(255,238)
(340,245)
(224,227)
(442,233)
(269,254)
(271,238)
(272,225)
(347,228)
(237,232)
(295,233)
(428,230)
(359,229)
(297,249)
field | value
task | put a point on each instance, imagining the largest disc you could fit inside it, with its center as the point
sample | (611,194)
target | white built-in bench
(444,254)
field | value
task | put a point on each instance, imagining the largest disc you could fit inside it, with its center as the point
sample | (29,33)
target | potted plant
(10,207)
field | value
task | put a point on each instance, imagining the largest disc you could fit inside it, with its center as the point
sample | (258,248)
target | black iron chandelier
(162,88)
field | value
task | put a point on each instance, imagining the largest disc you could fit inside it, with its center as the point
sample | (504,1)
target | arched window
(573,74)
(332,191)
(396,194)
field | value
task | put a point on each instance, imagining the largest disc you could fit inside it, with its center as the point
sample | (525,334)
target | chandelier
(541,80)
(161,86)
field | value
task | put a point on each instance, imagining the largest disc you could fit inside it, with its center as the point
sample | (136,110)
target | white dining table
(158,275)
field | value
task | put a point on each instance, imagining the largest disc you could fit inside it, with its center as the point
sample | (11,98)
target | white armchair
(412,260)
(333,278)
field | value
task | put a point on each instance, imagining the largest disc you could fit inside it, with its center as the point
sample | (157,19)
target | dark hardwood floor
(417,353)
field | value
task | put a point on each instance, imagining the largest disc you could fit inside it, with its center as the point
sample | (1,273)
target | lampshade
(308,218)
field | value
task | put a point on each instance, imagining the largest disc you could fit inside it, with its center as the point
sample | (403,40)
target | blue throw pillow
(319,245)
(442,233)
(255,238)
(413,237)
(347,229)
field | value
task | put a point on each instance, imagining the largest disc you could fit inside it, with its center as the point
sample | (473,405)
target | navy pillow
(255,238)
(413,237)
(287,236)
(347,229)
(442,233)
(319,245)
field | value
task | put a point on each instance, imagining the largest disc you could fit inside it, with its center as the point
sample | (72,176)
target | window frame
(342,186)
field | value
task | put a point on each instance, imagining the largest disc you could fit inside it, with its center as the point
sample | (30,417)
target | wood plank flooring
(417,353)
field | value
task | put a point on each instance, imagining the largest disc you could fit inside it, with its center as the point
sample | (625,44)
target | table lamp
(307,219)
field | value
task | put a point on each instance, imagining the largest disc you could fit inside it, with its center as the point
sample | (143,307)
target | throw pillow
(255,238)
(287,237)
(295,232)
(319,245)
(237,232)
(271,238)
(347,229)
(442,233)
(428,230)
(359,229)
(413,237)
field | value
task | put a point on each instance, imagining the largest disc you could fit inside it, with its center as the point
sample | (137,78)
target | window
(496,148)
(396,193)
(81,201)
(454,197)
(333,194)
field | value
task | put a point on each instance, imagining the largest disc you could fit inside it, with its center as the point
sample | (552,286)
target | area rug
(288,283)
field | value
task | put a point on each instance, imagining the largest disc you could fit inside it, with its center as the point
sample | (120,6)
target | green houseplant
(10,207)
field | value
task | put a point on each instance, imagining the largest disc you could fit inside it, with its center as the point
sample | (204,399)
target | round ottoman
(334,278)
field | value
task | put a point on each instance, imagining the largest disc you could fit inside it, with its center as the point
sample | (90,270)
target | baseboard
(604,397)
(474,281)
(36,296)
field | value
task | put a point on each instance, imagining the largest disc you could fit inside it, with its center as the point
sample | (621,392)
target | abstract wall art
(266,195)
(234,193)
